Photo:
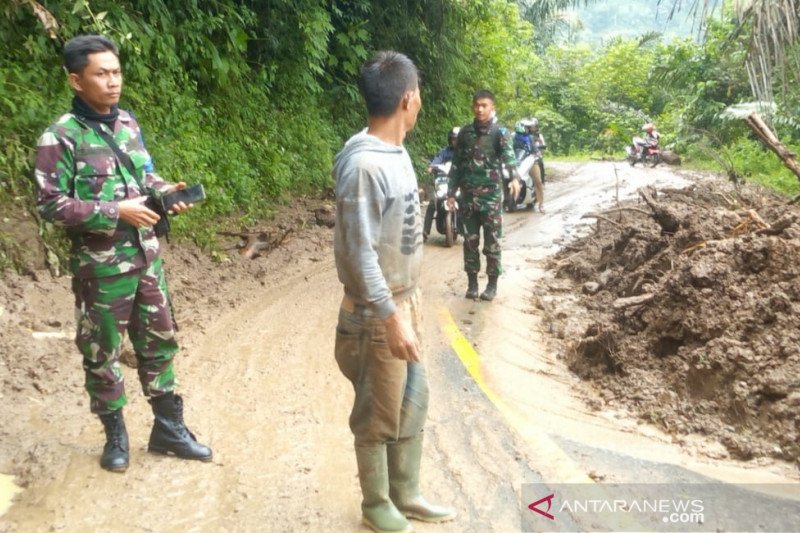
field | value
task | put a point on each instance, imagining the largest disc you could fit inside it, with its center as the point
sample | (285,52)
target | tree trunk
(771,140)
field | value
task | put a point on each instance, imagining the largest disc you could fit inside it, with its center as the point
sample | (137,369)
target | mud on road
(712,352)
(693,310)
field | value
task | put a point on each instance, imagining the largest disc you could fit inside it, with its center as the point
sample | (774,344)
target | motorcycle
(641,151)
(448,221)
(529,163)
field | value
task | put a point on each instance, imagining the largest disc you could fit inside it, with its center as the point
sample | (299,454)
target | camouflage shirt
(79,182)
(478,162)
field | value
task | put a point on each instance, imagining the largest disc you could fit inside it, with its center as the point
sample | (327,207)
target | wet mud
(691,298)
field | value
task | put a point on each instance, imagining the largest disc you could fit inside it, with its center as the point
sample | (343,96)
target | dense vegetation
(254,97)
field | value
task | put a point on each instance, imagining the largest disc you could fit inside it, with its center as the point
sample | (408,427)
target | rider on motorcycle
(536,137)
(522,142)
(529,140)
(445,155)
(651,138)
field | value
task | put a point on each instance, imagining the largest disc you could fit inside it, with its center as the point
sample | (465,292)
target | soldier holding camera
(93,177)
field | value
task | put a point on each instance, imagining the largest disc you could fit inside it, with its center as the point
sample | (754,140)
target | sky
(606,19)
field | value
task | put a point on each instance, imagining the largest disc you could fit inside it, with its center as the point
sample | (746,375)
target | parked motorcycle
(528,161)
(641,151)
(448,222)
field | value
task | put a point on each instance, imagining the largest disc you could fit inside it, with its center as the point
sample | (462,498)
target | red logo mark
(549,500)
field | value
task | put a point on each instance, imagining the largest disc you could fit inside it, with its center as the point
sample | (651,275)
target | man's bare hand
(403,342)
(136,214)
(180,206)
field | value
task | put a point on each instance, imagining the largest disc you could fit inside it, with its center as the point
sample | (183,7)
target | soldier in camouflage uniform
(482,148)
(89,187)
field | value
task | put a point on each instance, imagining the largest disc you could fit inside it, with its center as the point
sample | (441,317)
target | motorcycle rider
(445,155)
(529,140)
(650,140)
(652,136)
(537,171)
(522,142)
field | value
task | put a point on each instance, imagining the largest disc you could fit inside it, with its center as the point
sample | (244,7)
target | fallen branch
(255,246)
(601,217)
(665,217)
(620,209)
(242,234)
(694,247)
(752,215)
(622,303)
(764,132)
(778,226)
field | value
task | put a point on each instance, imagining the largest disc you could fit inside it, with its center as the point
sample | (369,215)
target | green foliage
(13,254)
(253,99)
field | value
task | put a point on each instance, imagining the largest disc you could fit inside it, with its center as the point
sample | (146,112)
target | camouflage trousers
(483,213)
(107,307)
(391,400)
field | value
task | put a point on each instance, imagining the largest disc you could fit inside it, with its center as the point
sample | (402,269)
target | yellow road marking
(555,465)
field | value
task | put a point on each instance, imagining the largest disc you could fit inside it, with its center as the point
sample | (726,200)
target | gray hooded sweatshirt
(377,240)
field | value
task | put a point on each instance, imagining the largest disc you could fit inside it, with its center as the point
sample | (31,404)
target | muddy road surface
(262,389)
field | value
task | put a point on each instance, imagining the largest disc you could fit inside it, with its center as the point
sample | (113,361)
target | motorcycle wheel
(449,229)
(656,160)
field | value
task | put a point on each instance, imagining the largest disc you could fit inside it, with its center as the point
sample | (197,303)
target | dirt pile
(693,297)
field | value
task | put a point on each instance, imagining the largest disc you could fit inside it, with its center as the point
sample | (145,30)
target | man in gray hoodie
(378,250)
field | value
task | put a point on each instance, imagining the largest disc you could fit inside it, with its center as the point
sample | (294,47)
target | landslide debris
(692,300)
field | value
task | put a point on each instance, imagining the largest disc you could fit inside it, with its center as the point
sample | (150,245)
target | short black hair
(78,49)
(384,79)
(481,94)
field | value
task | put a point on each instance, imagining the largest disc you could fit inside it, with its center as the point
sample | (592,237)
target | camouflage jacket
(478,161)
(79,182)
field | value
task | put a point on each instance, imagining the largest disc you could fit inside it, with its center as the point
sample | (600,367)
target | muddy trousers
(391,401)
(390,406)
(105,308)
(487,215)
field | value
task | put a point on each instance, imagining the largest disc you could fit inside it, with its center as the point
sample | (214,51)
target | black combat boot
(472,288)
(170,434)
(115,452)
(491,289)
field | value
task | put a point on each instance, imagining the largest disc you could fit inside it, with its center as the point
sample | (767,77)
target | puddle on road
(7,492)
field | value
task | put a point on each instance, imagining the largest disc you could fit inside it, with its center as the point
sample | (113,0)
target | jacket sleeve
(457,167)
(361,202)
(55,190)
(507,150)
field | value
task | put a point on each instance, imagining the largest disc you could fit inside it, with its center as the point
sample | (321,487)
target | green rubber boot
(378,511)
(405,457)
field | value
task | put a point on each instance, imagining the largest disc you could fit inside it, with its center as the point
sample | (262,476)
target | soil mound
(693,301)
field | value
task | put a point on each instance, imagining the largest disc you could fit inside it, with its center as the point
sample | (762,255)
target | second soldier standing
(482,148)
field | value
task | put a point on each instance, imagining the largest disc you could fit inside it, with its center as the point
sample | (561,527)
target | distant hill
(607,19)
